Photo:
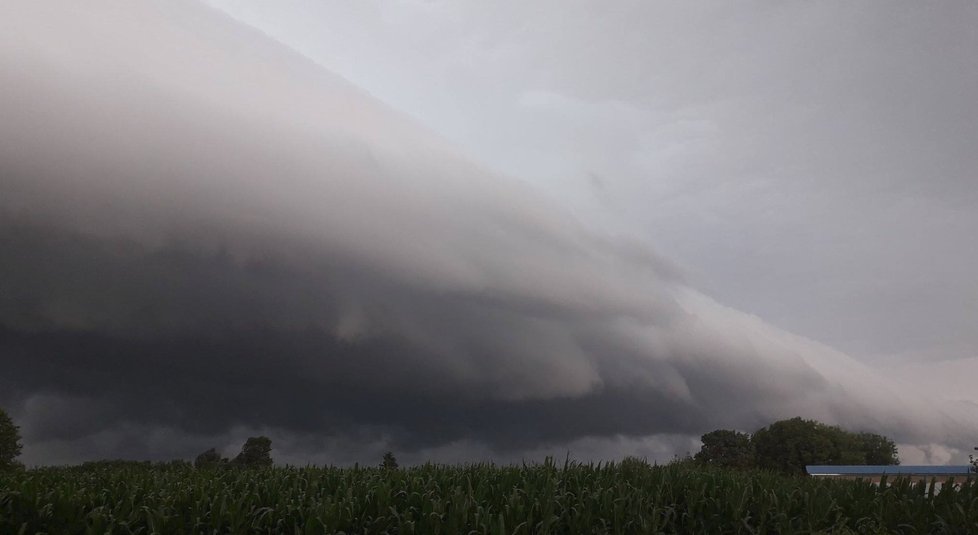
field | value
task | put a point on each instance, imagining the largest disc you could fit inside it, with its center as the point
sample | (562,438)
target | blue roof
(846,470)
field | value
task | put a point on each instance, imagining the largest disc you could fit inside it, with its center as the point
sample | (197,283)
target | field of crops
(629,497)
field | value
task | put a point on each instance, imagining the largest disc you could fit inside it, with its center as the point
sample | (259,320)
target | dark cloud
(204,235)
(201,343)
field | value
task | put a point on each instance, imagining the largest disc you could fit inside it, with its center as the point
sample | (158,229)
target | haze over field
(461,234)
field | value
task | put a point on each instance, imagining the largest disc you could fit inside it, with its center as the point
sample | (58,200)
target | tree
(789,445)
(726,448)
(256,452)
(389,462)
(876,449)
(10,445)
(974,462)
(209,459)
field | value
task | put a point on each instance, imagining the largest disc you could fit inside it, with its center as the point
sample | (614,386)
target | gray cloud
(205,234)
(808,163)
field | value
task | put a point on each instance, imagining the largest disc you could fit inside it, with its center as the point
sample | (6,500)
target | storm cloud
(203,233)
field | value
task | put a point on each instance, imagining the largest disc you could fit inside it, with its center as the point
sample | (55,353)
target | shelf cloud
(204,234)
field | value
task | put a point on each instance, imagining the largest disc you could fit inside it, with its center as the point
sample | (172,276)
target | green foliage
(632,464)
(876,449)
(209,459)
(389,462)
(789,445)
(627,497)
(10,445)
(256,452)
(726,448)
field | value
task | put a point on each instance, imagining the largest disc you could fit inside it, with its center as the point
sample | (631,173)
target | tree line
(785,446)
(255,453)
(790,445)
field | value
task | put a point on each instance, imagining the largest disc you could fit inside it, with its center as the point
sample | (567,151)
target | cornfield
(628,497)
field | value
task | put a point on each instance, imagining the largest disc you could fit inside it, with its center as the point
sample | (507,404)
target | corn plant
(629,497)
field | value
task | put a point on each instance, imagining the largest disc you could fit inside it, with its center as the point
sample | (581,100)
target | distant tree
(256,452)
(789,445)
(389,462)
(632,463)
(209,459)
(876,449)
(10,445)
(726,448)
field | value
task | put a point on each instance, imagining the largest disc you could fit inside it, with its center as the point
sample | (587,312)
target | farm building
(874,472)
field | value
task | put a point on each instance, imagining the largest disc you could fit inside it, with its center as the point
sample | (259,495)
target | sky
(464,231)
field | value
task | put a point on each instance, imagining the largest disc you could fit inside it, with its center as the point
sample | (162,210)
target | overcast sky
(468,230)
